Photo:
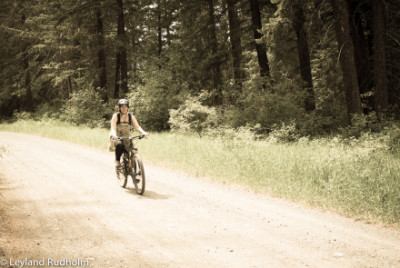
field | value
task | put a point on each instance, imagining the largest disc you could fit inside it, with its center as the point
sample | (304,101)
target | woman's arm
(114,126)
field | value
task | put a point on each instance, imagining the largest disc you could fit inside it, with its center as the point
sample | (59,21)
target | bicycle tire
(122,174)
(138,175)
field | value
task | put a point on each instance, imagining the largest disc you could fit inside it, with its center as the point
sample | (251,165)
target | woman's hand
(145,134)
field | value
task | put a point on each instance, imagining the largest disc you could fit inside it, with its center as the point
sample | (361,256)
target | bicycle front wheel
(138,175)
(121,171)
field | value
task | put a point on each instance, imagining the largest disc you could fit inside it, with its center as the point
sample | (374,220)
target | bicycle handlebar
(132,137)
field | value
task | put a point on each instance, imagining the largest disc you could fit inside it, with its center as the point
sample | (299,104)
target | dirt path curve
(61,202)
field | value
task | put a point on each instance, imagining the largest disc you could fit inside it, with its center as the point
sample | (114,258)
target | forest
(312,66)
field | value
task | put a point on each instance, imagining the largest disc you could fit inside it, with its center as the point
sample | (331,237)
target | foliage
(50,110)
(365,123)
(179,48)
(85,107)
(323,122)
(242,135)
(22,116)
(151,101)
(284,133)
(394,140)
(193,116)
(282,103)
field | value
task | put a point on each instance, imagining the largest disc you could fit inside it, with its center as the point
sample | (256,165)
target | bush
(322,121)
(273,105)
(193,116)
(393,140)
(22,115)
(242,135)
(284,133)
(151,102)
(364,123)
(49,110)
(86,107)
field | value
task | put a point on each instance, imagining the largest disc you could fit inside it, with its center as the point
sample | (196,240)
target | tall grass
(96,138)
(355,178)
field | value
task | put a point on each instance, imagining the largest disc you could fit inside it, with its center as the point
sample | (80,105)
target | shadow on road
(147,194)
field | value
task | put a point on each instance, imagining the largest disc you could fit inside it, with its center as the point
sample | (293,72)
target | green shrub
(242,135)
(365,123)
(151,102)
(193,116)
(273,105)
(85,107)
(284,133)
(393,140)
(22,115)
(322,121)
(49,110)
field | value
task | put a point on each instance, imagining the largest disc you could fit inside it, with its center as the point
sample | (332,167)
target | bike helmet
(123,102)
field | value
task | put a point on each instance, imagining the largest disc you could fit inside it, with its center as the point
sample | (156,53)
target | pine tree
(346,57)
(379,32)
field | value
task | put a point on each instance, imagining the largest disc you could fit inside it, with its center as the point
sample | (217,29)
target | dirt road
(61,204)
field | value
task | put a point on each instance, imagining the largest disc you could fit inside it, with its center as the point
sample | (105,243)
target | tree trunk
(260,48)
(167,15)
(304,55)
(121,77)
(346,57)
(216,64)
(124,72)
(381,91)
(101,54)
(358,28)
(28,102)
(117,75)
(235,39)
(69,87)
(392,23)
(159,33)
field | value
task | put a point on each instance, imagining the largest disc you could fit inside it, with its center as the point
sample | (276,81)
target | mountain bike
(135,170)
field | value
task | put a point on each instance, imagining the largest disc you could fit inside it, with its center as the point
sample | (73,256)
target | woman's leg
(119,149)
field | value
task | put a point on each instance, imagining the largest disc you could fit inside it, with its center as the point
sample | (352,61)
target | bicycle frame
(132,165)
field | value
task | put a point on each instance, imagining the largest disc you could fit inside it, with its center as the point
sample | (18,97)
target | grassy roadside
(95,138)
(357,179)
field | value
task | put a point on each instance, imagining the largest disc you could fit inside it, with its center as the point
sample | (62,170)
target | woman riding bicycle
(121,123)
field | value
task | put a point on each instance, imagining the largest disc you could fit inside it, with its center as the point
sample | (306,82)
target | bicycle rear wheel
(121,171)
(138,175)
